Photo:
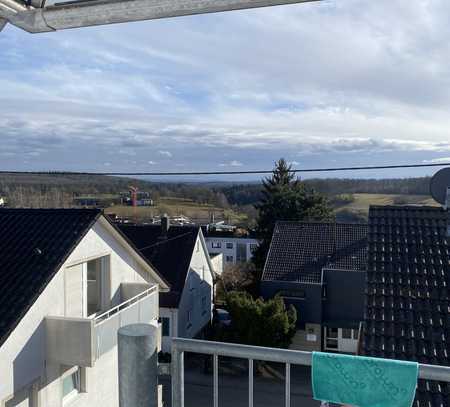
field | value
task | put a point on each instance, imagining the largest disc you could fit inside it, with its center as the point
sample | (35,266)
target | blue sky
(341,82)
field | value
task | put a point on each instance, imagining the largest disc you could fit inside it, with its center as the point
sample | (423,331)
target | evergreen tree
(261,323)
(285,198)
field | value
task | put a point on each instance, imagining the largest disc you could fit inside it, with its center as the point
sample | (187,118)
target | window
(332,332)
(216,245)
(71,385)
(346,333)
(332,343)
(229,245)
(355,334)
(253,247)
(165,326)
(98,288)
(229,259)
(331,340)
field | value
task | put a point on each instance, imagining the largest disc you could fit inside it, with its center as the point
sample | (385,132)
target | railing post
(138,365)
(177,376)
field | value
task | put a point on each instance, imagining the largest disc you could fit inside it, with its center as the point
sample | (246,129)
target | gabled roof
(407,305)
(300,250)
(171,255)
(34,243)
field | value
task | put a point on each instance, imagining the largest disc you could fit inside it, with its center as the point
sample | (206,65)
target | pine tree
(285,198)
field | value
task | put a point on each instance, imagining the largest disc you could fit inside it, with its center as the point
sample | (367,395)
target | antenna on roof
(440,187)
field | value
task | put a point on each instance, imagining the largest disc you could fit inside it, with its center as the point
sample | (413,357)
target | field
(361,202)
(177,206)
(356,210)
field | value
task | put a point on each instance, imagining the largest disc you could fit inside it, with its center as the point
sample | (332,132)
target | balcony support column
(138,365)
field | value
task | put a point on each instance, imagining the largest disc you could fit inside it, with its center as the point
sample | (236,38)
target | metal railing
(288,357)
(118,308)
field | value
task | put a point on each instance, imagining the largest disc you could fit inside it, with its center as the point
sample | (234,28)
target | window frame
(80,385)
(229,245)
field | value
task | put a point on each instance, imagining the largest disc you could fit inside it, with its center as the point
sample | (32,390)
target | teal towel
(363,381)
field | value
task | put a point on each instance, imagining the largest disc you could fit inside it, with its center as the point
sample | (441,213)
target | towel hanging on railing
(363,381)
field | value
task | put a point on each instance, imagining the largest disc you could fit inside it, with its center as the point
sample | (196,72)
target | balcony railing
(81,341)
(251,353)
(141,308)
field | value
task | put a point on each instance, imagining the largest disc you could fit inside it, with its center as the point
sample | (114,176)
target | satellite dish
(439,185)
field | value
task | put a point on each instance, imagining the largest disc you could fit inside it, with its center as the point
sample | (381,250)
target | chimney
(165,225)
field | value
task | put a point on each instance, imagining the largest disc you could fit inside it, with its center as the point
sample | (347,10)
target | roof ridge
(164,241)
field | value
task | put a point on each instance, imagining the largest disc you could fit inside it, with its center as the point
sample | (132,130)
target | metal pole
(177,376)
(250,383)
(288,385)
(216,380)
(138,365)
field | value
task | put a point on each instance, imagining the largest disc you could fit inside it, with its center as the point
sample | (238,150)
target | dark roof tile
(300,250)
(37,243)
(171,255)
(407,303)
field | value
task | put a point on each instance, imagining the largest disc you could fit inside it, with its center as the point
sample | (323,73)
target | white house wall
(196,287)
(22,356)
(212,240)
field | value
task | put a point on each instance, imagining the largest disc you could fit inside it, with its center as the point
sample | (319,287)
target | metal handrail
(118,308)
(288,357)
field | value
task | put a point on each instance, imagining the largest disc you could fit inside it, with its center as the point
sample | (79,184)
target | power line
(187,173)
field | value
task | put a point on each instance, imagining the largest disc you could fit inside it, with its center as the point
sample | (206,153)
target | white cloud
(233,163)
(438,160)
(370,79)
(165,153)
(151,162)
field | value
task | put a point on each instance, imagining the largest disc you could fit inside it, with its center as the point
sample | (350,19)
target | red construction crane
(133,195)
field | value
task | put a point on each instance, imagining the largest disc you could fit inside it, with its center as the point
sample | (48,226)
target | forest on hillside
(55,190)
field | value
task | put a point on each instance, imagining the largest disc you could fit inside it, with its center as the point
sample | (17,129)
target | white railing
(140,309)
(288,357)
(118,308)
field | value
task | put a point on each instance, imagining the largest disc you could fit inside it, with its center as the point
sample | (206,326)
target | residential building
(180,255)
(407,304)
(234,246)
(217,263)
(69,280)
(320,269)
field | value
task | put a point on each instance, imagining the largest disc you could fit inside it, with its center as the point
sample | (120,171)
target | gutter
(100,12)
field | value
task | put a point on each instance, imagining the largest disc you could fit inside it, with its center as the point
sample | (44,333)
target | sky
(323,84)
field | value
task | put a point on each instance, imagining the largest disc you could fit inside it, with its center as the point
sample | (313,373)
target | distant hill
(52,190)
(249,194)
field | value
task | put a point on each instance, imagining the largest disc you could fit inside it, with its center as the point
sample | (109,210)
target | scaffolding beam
(100,12)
